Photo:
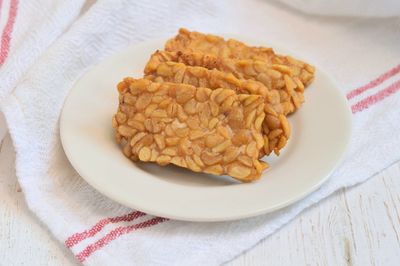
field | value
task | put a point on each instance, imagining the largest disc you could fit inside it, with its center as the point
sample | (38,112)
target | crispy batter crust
(289,90)
(276,129)
(212,131)
(188,41)
(284,73)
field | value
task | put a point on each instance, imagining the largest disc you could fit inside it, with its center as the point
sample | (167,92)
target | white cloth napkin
(42,65)
(359,8)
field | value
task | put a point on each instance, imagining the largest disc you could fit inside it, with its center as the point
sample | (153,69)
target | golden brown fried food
(276,129)
(289,89)
(187,41)
(193,42)
(212,131)
(284,73)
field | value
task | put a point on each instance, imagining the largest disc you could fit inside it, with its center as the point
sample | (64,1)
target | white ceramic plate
(320,134)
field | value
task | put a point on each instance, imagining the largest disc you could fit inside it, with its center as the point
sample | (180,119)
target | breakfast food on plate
(289,87)
(187,41)
(210,105)
(244,60)
(212,131)
(276,127)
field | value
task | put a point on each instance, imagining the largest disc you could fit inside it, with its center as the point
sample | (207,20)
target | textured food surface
(276,129)
(189,42)
(210,105)
(283,73)
(212,131)
(280,79)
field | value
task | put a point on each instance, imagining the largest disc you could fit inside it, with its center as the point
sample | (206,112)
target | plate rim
(247,214)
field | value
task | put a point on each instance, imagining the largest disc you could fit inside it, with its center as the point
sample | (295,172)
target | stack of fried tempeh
(211,105)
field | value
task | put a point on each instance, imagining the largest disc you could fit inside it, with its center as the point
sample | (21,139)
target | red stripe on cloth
(6,36)
(78,237)
(1,4)
(377,97)
(114,234)
(374,82)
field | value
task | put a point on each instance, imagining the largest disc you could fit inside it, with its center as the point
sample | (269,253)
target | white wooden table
(358,226)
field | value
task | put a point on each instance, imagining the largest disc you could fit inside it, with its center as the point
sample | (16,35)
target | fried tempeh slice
(276,129)
(248,62)
(289,89)
(187,41)
(204,130)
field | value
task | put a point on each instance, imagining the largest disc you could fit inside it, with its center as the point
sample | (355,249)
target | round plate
(320,133)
